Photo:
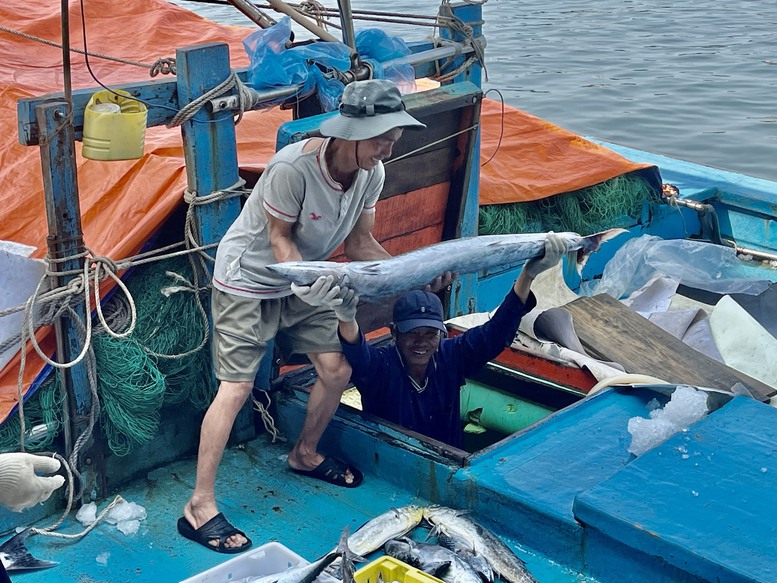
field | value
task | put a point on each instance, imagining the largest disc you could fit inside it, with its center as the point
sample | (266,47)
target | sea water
(694,80)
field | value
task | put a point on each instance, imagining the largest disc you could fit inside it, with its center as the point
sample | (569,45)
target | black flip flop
(217,528)
(333,470)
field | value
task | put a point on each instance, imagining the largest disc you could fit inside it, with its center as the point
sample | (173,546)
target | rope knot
(163,66)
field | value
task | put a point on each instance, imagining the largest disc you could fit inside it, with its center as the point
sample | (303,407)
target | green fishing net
(42,418)
(135,375)
(614,203)
(170,324)
(160,362)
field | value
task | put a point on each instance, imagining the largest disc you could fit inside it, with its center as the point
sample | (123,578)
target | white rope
(246,98)
(267,419)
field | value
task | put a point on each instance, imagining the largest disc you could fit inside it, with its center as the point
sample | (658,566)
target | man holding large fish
(415,381)
(314,196)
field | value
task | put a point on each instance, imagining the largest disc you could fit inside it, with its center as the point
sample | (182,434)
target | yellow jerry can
(114,126)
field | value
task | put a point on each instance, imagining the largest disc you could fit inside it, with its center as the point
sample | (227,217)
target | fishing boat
(554,479)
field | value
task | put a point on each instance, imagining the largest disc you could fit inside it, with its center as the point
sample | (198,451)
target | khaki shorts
(242,328)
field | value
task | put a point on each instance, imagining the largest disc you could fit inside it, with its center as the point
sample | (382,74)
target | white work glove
(555,247)
(346,310)
(321,293)
(20,486)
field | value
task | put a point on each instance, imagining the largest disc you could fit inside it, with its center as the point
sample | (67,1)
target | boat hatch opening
(496,404)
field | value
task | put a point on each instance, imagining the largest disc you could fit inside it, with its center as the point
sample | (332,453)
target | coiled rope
(247,98)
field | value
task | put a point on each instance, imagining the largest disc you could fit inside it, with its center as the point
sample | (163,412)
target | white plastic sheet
(695,264)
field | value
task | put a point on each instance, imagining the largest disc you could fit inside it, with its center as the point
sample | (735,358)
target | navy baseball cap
(418,309)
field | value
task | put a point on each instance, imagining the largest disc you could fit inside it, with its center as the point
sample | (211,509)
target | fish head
(307,272)
(412,512)
(400,549)
(436,515)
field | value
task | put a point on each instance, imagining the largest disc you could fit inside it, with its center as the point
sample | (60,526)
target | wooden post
(471,15)
(466,179)
(57,152)
(210,151)
(209,143)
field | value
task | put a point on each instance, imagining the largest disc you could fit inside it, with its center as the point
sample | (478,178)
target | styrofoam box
(267,559)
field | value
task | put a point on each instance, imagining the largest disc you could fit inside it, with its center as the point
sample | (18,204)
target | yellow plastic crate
(392,569)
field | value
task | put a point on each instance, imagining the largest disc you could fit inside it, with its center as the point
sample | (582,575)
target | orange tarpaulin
(537,159)
(123,203)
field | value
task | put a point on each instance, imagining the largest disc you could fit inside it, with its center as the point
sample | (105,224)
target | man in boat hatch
(314,196)
(415,380)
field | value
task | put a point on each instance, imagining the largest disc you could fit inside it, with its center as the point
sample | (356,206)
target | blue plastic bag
(377,47)
(311,66)
(273,65)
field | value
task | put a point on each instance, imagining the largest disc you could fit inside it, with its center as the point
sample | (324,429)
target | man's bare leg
(333,374)
(216,427)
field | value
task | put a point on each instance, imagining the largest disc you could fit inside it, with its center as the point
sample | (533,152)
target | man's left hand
(441,282)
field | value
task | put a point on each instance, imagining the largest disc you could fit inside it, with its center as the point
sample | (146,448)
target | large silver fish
(453,524)
(476,561)
(415,269)
(394,523)
(15,556)
(374,533)
(433,559)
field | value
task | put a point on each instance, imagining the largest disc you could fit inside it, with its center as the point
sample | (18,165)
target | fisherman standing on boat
(314,196)
(415,381)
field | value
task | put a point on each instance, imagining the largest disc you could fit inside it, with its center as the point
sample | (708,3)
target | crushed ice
(125,515)
(686,406)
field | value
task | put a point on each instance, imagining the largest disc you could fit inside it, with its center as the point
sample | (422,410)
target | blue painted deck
(259,495)
(563,492)
(703,500)
(255,491)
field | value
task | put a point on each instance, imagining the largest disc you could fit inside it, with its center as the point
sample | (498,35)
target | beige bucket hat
(369,109)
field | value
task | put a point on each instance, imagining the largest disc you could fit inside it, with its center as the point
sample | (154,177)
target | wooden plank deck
(611,331)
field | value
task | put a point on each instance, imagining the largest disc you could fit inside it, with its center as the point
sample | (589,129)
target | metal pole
(230,102)
(346,20)
(65,15)
(297,17)
(253,13)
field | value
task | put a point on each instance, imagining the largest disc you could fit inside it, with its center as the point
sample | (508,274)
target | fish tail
(20,558)
(592,243)
(348,558)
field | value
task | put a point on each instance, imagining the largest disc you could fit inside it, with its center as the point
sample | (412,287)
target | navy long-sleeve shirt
(380,376)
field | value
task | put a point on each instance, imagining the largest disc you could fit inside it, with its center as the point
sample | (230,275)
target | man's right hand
(323,292)
(20,485)
(555,247)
